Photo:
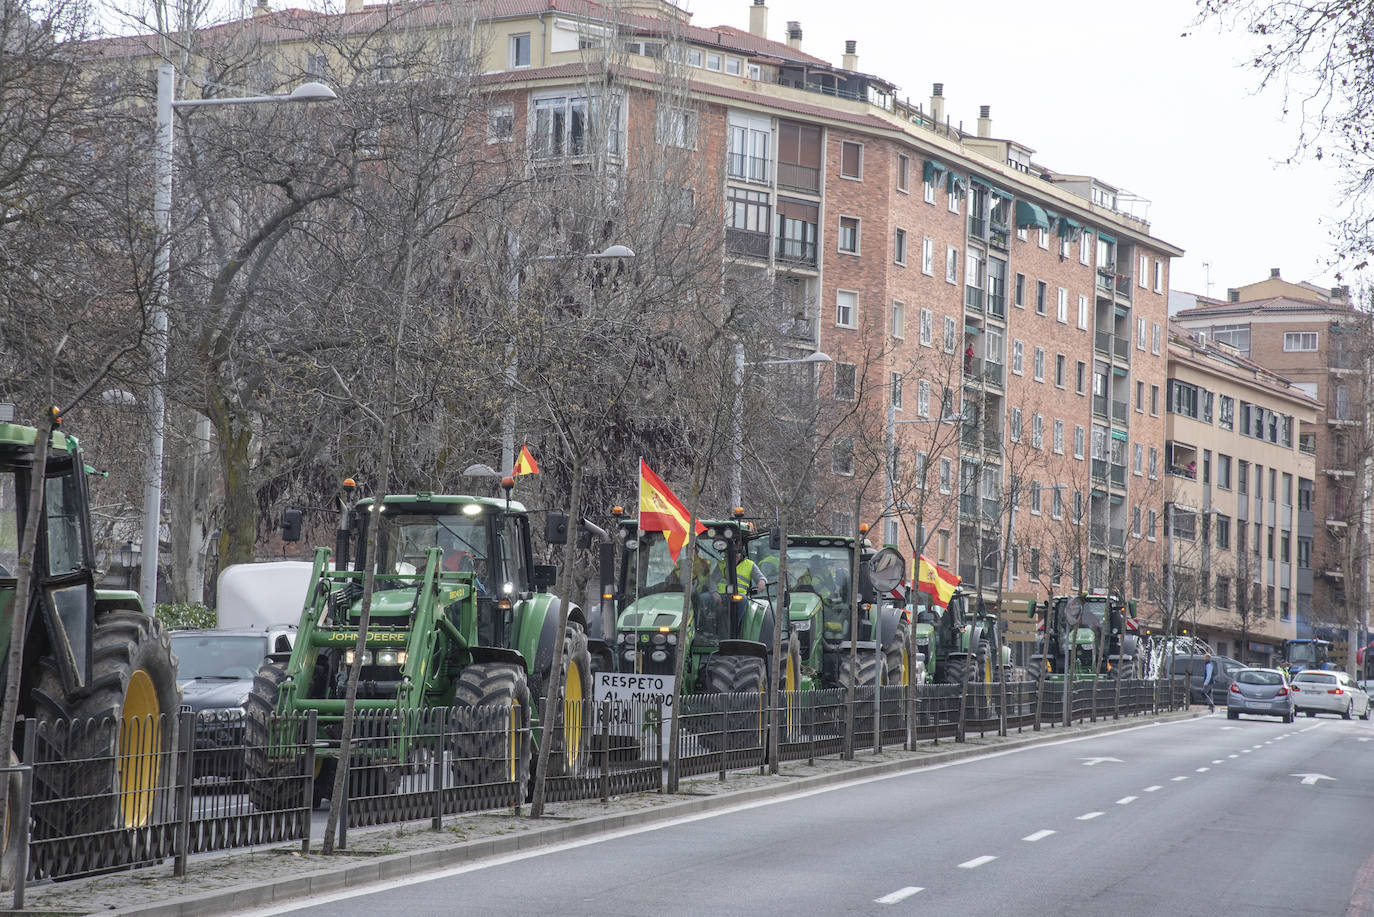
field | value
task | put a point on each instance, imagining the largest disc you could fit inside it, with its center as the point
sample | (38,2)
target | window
(1143,275)
(1300,341)
(1058,442)
(899,246)
(846,375)
(501,123)
(952,200)
(923,398)
(1062,307)
(1207,401)
(750,147)
(733,66)
(1038,365)
(1015,425)
(1151,520)
(945,539)
(1155,336)
(1243,478)
(926,321)
(1222,598)
(747,210)
(1018,355)
(849,235)
(951,329)
(1159,276)
(562,124)
(851,160)
(694,60)
(316,64)
(1140,397)
(1287,496)
(1084,246)
(1154,463)
(755,72)
(1082,386)
(946,475)
(1083,312)
(1037,431)
(678,127)
(1237,336)
(1040,296)
(1223,471)
(1304,552)
(896,386)
(1223,530)
(1042,238)
(1135,521)
(951,264)
(1060,362)
(1138,459)
(520,50)
(1078,438)
(1183,398)
(1140,328)
(842,457)
(928,192)
(1035,497)
(1056,503)
(714,62)
(903,172)
(898,319)
(1154,401)
(1020,291)
(846,308)
(1226,412)
(928,256)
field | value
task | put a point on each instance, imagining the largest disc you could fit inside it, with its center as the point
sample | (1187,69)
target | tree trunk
(239,527)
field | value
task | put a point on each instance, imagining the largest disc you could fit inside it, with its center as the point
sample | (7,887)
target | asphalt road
(1196,817)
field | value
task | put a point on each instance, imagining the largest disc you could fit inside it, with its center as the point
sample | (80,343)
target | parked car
(215,671)
(1316,691)
(1192,666)
(1260,691)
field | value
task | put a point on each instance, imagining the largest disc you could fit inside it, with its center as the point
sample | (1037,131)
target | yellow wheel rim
(789,685)
(572,713)
(906,668)
(140,746)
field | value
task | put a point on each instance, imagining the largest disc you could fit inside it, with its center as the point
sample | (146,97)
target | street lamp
(162,212)
(513,246)
(737,431)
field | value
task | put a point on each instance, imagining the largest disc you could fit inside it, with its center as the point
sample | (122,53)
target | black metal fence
(107,795)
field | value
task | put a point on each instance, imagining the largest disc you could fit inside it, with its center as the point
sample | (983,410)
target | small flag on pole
(936,582)
(524,463)
(660,511)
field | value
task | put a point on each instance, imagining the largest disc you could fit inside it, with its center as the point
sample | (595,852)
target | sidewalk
(243,879)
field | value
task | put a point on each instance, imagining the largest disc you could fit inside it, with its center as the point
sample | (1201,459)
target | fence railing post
(605,751)
(308,803)
(437,771)
(811,729)
(186,735)
(26,777)
(659,736)
(724,736)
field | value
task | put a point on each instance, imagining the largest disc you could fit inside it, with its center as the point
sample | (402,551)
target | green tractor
(460,616)
(1071,627)
(90,655)
(819,613)
(950,640)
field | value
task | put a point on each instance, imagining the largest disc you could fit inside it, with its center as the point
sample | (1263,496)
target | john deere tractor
(90,655)
(1074,625)
(819,610)
(460,616)
(1306,653)
(950,640)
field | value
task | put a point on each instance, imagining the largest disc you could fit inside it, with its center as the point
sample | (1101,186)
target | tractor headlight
(801,627)
(390,657)
(630,655)
(672,639)
(660,639)
(349,656)
(658,656)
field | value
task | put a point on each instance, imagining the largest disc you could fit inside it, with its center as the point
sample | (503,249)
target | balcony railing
(798,177)
(1118,411)
(993,372)
(1100,405)
(997,305)
(797,251)
(1307,442)
(977,227)
(968,505)
(1118,536)
(999,237)
(1118,475)
(1099,471)
(973,298)
(1123,285)
(748,168)
(1122,348)
(1102,341)
(746,242)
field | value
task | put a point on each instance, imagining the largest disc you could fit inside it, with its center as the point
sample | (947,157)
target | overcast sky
(1112,90)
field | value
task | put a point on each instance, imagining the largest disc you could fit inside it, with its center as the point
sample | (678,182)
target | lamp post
(737,424)
(162,214)
(508,419)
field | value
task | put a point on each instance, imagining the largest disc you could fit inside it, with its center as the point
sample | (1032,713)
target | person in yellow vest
(747,577)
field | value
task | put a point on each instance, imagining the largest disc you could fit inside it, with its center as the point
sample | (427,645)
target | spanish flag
(524,463)
(660,511)
(937,583)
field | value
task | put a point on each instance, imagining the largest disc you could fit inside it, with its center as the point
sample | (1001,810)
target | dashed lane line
(1203,770)
(1089,816)
(976,862)
(1233,756)
(1038,836)
(1126,800)
(1217,761)
(1179,779)
(1151,789)
(900,894)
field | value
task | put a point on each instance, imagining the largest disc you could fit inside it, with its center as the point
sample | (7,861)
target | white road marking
(1361,740)
(1233,756)
(1177,779)
(1217,761)
(1317,725)
(1203,770)
(1038,836)
(1311,779)
(1088,816)
(1230,727)
(976,862)
(1245,751)
(1268,741)
(1126,800)
(900,894)
(1089,762)
(1151,789)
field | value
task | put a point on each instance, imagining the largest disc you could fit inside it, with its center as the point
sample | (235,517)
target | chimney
(1340,294)
(850,61)
(758,19)
(1274,273)
(1233,295)
(985,121)
(937,103)
(353,6)
(262,9)
(794,35)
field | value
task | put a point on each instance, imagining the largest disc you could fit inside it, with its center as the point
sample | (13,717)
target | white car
(1316,691)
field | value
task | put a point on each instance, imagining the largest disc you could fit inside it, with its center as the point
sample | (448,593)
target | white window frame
(1083,238)
(1021,234)
(951,334)
(896,385)
(898,319)
(928,192)
(852,306)
(1156,337)
(1061,306)
(677,127)
(860,175)
(839,235)
(952,201)
(719,61)
(501,122)
(1037,431)
(1079,440)
(928,256)
(514,47)
(1159,275)
(1138,460)
(1140,331)
(899,246)
(1058,441)
(1296,341)
(927,323)
(951,265)
(1042,238)
(903,173)
(1154,463)
(946,475)
(1038,365)
(1018,357)
(1082,312)
(923,398)
(734,66)
(1014,425)
(1142,278)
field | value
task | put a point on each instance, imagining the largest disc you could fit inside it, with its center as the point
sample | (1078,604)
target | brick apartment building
(1316,338)
(946,273)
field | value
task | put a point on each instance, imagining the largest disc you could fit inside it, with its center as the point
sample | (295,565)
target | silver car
(1259,691)
(1317,691)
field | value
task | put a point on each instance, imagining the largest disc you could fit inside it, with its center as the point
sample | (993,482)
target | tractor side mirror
(556,528)
(544,576)
(1133,605)
(606,562)
(775,539)
(291,521)
(1030,608)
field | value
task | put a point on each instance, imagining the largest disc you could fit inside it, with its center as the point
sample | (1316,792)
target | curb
(394,866)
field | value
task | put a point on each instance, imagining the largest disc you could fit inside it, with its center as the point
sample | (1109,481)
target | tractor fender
(866,646)
(890,619)
(538,631)
(758,622)
(1130,645)
(496,654)
(743,648)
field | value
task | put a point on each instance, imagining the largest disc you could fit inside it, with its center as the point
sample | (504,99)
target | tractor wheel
(952,669)
(572,733)
(275,781)
(897,658)
(493,717)
(744,680)
(863,675)
(789,683)
(120,737)
(13,837)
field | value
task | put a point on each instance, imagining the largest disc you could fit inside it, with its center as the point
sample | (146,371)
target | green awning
(1106,238)
(1031,215)
(1052,217)
(1119,434)
(1068,227)
(932,171)
(954,183)
(980,182)
(998,192)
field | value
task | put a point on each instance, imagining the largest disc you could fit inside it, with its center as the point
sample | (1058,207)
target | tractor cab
(818,593)
(1307,653)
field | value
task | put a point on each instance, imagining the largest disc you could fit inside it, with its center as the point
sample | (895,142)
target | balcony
(973,298)
(1100,405)
(1307,443)
(997,305)
(1099,471)
(999,237)
(799,178)
(1118,536)
(992,372)
(748,168)
(968,505)
(1118,411)
(747,243)
(1123,285)
(977,227)
(796,251)
(1102,341)
(1121,347)
(1118,475)
(1106,280)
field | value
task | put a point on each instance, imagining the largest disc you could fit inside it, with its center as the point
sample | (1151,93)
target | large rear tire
(571,733)
(745,678)
(897,656)
(863,674)
(118,747)
(492,702)
(276,780)
(789,683)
